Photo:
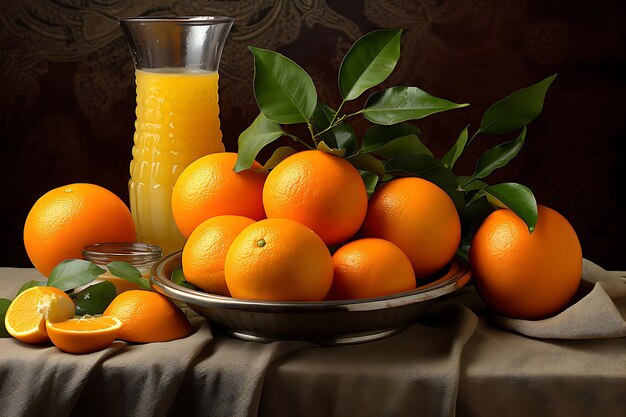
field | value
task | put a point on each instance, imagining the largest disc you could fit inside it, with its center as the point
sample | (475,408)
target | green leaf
(391,141)
(94,299)
(322,146)
(409,144)
(341,136)
(449,159)
(259,134)
(4,306)
(367,162)
(498,156)
(369,62)
(517,198)
(284,92)
(129,273)
(383,134)
(73,273)
(516,110)
(399,104)
(370,179)
(430,169)
(178,278)
(30,284)
(278,156)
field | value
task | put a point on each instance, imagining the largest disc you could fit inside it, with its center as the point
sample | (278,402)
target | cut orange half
(26,317)
(84,335)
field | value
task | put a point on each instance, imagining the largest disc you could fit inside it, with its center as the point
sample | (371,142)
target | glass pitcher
(176,71)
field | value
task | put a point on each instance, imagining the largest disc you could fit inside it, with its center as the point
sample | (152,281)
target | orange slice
(26,317)
(84,335)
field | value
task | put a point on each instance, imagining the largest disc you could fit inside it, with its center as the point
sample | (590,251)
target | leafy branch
(391,147)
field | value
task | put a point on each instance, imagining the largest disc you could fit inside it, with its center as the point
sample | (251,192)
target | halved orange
(85,334)
(26,317)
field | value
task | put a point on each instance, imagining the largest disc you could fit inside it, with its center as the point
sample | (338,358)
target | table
(451,362)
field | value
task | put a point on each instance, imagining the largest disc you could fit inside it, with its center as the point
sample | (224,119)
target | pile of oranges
(305,231)
(266,236)
(407,231)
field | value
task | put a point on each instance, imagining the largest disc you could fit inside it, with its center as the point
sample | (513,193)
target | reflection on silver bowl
(323,322)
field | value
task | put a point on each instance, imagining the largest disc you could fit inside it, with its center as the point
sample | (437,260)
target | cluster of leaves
(74,273)
(391,147)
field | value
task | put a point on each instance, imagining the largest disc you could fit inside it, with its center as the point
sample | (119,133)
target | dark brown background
(67,99)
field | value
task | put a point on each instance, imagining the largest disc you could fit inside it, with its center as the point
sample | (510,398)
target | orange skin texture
(147,317)
(319,190)
(26,317)
(84,335)
(279,260)
(523,275)
(420,218)
(209,187)
(66,219)
(370,267)
(204,254)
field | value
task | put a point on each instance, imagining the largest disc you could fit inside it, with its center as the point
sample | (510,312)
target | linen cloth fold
(142,379)
(600,313)
(44,381)
(415,372)
(450,362)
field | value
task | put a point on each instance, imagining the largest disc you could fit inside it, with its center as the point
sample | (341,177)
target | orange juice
(177,122)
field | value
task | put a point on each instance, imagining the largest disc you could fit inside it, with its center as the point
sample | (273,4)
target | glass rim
(191,20)
(135,252)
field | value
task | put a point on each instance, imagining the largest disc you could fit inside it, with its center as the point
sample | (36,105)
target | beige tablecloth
(459,360)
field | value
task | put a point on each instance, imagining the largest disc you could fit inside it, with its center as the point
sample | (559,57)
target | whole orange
(204,254)
(321,191)
(66,219)
(280,260)
(524,275)
(420,218)
(368,268)
(148,317)
(209,187)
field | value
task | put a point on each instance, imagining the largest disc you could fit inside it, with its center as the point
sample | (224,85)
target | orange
(280,260)
(420,218)
(368,268)
(209,187)
(26,317)
(524,275)
(148,317)
(321,191)
(204,254)
(84,335)
(66,219)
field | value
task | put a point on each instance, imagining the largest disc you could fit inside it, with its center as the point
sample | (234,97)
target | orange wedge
(26,317)
(84,335)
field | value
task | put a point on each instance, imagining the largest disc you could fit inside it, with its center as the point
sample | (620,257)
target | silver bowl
(323,322)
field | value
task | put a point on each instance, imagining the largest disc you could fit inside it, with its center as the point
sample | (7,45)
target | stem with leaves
(391,147)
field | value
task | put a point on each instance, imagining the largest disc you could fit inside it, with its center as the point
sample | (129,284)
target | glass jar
(140,255)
